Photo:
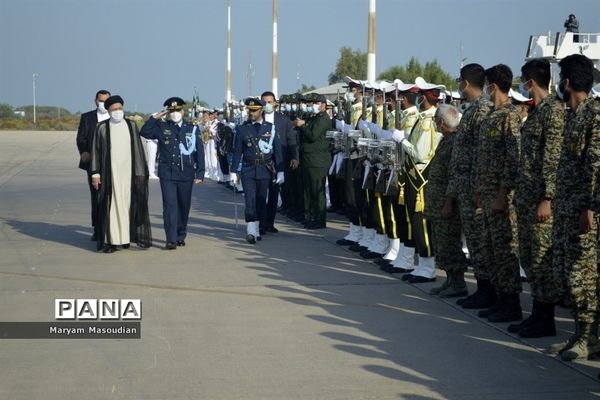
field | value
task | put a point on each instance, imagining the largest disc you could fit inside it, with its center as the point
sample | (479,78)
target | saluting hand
(160,114)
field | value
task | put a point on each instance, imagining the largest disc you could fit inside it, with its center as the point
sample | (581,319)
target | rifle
(398,109)
(373,107)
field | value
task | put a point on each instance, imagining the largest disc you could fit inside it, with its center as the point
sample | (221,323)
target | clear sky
(148,50)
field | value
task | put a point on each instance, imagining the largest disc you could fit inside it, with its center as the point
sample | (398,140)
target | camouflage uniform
(574,254)
(540,150)
(447,244)
(497,167)
(462,179)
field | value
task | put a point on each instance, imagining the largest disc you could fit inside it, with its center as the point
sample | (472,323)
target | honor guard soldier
(419,148)
(180,165)
(258,147)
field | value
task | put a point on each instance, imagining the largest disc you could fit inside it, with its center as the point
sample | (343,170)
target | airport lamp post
(33,78)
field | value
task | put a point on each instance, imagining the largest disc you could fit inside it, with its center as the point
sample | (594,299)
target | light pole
(33,78)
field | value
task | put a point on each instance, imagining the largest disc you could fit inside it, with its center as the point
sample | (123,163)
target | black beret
(113,100)
(319,97)
(173,103)
(253,103)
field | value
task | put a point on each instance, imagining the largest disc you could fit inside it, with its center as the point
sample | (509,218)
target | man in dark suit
(289,148)
(258,149)
(85,132)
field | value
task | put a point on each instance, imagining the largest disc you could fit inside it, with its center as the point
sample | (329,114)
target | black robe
(139,219)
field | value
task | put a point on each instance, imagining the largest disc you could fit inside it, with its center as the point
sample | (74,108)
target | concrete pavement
(293,317)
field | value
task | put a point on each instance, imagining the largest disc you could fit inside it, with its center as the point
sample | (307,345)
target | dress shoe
(109,248)
(369,255)
(357,248)
(250,239)
(407,277)
(315,225)
(171,246)
(181,243)
(126,246)
(420,279)
(344,242)
(142,245)
(272,229)
(382,262)
(398,270)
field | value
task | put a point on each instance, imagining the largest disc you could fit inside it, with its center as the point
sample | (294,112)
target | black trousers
(94,201)
(223,163)
(419,228)
(269,217)
(349,195)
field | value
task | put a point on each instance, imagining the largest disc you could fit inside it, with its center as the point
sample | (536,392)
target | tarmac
(293,317)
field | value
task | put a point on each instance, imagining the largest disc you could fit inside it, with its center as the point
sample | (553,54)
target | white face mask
(101,108)
(269,108)
(117,116)
(303,107)
(176,116)
(316,108)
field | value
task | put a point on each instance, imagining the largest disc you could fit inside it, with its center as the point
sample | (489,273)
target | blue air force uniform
(258,148)
(181,160)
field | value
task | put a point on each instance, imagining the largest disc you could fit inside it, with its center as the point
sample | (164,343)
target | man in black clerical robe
(102,174)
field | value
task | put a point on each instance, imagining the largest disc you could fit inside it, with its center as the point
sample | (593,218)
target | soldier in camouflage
(541,138)
(462,179)
(496,174)
(446,232)
(575,231)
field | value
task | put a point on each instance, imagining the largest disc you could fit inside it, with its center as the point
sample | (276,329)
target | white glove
(233,177)
(398,136)
(339,125)
(280,179)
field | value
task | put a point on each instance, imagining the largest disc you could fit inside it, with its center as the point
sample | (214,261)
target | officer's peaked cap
(254,103)
(174,103)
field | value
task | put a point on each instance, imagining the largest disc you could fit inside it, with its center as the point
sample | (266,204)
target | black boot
(484,297)
(535,315)
(498,304)
(510,311)
(543,326)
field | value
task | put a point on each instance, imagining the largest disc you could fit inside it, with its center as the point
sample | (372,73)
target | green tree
(306,88)
(352,63)
(6,111)
(431,72)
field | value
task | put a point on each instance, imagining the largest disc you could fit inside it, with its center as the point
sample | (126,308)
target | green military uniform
(574,253)
(461,180)
(541,138)
(446,233)
(497,167)
(315,161)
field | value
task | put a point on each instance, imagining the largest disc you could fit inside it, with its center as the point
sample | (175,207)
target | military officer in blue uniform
(258,148)
(180,165)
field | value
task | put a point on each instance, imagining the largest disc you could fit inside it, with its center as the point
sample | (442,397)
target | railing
(564,44)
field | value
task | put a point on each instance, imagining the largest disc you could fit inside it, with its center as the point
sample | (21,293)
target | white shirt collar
(270,117)
(102,116)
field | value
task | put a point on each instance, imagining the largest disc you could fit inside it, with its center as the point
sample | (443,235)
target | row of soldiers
(417,176)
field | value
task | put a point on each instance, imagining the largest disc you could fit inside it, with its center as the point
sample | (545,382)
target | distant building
(19,113)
